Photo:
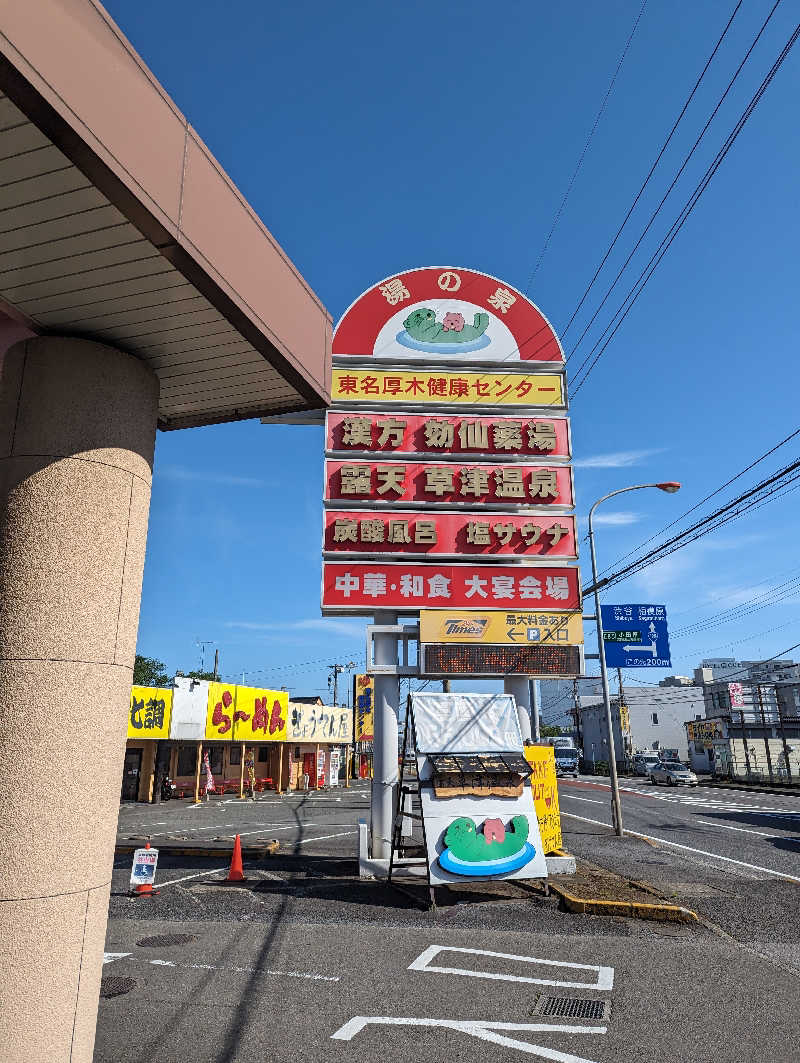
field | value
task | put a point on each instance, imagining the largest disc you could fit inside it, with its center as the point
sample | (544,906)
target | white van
(643,762)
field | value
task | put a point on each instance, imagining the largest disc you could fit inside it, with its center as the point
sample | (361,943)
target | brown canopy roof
(117,223)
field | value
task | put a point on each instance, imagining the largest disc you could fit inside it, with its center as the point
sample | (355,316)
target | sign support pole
(387,711)
(535,709)
(616,807)
(519,688)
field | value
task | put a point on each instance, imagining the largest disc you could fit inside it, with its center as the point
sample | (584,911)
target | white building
(654,719)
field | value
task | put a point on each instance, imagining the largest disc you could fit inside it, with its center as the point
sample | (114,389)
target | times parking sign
(635,636)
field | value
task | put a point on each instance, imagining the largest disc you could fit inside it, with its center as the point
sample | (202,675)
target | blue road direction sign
(635,636)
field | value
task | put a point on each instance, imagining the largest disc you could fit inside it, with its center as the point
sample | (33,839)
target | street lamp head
(670,487)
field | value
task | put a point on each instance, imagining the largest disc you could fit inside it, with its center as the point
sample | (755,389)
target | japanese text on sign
(319,723)
(409,433)
(149,712)
(378,584)
(245,714)
(364,702)
(481,389)
(463,626)
(352,531)
(451,483)
(544,785)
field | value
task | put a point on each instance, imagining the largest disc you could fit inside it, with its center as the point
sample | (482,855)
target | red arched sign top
(447,312)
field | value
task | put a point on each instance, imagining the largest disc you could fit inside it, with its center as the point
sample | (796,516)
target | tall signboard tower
(448,490)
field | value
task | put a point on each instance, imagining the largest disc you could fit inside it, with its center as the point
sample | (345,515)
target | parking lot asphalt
(304,961)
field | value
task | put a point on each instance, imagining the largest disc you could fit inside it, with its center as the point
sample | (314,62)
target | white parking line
(325,837)
(590,800)
(604,975)
(200,874)
(245,970)
(689,848)
(482,1031)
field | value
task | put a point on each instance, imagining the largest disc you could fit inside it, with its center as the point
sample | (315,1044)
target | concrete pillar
(385,744)
(517,686)
(77,431)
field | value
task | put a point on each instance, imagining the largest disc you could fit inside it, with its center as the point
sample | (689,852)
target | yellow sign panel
(261,715)
(149,713)
(438,387)
(624,719)
(246,714)
(220,712)
(364,688)
(542,760)
(494,628)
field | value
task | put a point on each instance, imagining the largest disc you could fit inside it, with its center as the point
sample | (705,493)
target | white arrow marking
(648,648)
(109,957)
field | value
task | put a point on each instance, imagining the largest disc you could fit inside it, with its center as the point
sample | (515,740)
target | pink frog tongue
(494,830)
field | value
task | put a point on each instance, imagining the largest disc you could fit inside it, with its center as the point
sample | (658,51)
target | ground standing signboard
(447,476)
(635,636)
(143,872)
(422,361)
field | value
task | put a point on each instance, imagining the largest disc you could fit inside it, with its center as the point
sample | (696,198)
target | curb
(251,852)
(664,913)
(789,791)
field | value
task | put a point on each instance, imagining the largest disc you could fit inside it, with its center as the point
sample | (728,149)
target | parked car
(673,773)
(567,758)
(643,762)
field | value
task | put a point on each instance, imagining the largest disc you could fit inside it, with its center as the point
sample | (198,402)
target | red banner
(451,483)
(442,434)
(365,586)
(432,533)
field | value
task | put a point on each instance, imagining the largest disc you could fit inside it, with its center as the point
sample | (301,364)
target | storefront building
(293,746)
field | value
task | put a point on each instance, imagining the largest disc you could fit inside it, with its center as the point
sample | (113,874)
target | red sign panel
(432,533)
(440,434)
(365,586)
(446,311)
(451,483)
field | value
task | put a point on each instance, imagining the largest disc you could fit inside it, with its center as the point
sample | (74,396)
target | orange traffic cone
(236,874)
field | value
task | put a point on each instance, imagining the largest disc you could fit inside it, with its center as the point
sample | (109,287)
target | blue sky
(372,138)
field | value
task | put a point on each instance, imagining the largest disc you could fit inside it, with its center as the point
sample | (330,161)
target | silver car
(673,773)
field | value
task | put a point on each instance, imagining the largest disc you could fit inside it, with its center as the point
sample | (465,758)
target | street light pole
(616,807)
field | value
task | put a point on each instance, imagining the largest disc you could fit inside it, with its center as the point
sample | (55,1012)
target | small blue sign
(635,636)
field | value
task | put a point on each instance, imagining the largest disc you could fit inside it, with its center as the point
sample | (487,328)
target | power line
(577,169)
(702,501)
(705,525)
(677,225)
(675,180)
(646,181)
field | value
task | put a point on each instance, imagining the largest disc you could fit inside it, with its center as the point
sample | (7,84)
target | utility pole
(783,738)
(336,669)
(445,686)
(202,644)
(576,702)
(216,664)
(744,744)
(764,733)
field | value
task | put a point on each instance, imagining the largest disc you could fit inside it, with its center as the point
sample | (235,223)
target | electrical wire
(646,181)
(675,180)
(636,290)
(705,525)
(582,156)
(702,501)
